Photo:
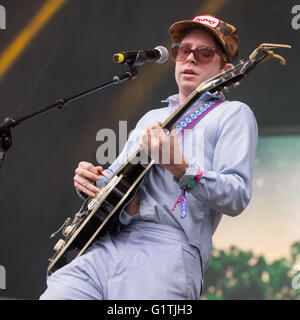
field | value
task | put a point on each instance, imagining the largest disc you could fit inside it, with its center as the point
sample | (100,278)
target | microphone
(159,54)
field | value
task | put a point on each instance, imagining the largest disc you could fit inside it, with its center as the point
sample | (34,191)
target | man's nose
(191,58)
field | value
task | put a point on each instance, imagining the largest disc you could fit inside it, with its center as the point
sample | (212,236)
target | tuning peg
(65,224)
(68,230)
(227,88)
(236,84)
(59,245)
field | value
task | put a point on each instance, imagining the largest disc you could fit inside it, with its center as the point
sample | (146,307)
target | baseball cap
(224,33)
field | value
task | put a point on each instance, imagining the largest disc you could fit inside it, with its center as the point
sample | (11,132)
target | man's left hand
(163,148)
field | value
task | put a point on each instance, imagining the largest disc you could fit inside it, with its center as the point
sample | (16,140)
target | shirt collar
(174,99)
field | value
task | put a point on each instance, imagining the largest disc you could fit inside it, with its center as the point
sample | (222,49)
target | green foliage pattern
(240,275)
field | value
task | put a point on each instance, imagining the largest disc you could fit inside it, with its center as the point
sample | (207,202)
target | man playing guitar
(164,241)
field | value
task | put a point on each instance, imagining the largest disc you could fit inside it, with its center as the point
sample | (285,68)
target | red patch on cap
(207,20)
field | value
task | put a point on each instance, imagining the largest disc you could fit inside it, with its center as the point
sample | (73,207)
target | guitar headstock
(233,76)
(265,48)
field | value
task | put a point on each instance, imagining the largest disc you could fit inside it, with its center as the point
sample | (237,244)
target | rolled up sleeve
(228,186)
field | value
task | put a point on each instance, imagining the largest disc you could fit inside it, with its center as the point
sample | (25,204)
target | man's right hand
(85,178)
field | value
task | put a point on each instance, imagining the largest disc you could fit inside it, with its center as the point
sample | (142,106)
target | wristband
(187,187)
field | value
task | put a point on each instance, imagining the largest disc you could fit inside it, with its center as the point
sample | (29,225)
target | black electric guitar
(99,214)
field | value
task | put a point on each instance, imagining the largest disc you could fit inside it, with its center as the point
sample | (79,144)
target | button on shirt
(222,145)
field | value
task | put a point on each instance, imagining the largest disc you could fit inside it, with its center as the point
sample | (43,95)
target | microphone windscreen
(164,54)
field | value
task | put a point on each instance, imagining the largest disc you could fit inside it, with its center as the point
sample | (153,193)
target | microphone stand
(8,123)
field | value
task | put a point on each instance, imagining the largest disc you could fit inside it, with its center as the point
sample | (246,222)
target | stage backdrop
(51,49)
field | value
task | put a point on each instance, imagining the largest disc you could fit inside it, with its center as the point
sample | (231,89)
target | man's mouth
(189,71)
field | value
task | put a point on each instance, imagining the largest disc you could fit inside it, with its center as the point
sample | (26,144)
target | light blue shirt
(223,145)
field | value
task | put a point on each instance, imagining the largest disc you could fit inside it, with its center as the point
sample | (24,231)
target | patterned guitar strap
(187,122)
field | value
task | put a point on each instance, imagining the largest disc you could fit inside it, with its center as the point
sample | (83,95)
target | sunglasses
(203,55)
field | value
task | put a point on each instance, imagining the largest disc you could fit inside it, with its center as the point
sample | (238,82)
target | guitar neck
(168,123)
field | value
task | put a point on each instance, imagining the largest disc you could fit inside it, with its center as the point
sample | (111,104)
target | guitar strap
(187,122)
(190,119)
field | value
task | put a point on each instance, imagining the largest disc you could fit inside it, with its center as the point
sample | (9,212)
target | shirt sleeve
(227,188)
(129,149)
